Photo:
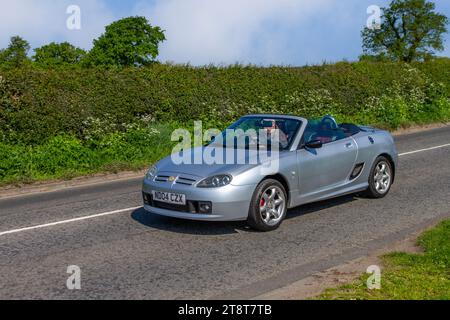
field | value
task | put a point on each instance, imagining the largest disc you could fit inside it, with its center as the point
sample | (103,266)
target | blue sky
(263,32)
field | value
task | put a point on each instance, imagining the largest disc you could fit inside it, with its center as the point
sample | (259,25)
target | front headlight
(218,181)
(151,173)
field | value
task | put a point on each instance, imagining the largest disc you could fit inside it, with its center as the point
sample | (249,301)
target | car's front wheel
(380,179)
(268,206)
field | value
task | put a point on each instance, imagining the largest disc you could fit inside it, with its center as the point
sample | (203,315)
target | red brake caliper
(262,203)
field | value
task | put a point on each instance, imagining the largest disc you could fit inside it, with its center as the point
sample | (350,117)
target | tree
(16,54)
(410,31)
(128,42)
(55,54)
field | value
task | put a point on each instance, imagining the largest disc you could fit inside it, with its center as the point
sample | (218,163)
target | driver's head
(272,127)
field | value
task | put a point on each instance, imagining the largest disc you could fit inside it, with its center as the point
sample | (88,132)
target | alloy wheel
(272,205)
(382,178)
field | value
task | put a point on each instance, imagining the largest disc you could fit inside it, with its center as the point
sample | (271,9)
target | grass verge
(407,276)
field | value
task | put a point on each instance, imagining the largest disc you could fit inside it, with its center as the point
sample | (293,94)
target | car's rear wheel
(380,179)
(268,206)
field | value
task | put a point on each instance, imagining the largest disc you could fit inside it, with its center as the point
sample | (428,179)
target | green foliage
(410,31)
(408,276)
(381,57)
(16,54)
(436,243)
(14,162)
(62,153)
(128,42)
(111,120)
(65,156)
(58,54)
(38,104)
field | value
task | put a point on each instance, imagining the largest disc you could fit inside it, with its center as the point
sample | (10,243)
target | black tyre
(268,206)
(380,179)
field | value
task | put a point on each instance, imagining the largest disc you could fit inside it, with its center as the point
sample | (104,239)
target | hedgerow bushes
(66,156)
(37,104)
(55,122)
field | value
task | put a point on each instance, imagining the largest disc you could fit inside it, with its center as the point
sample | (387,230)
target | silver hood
(203,170)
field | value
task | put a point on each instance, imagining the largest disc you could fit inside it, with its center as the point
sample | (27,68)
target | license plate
(168,197)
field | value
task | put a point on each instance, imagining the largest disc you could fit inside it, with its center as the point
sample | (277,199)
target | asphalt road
(133,255)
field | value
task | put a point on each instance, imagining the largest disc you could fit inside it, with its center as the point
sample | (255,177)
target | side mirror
(315,144)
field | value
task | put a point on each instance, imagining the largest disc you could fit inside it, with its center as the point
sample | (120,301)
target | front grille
(169,206)
(185,181)
(178,179)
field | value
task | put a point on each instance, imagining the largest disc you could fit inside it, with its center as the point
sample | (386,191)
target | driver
(283,138)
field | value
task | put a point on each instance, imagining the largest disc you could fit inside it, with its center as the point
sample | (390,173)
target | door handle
(349,145)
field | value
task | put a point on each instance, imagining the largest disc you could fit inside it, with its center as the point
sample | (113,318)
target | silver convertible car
(316,160)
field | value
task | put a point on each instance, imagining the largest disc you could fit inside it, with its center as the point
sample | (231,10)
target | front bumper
(229,203)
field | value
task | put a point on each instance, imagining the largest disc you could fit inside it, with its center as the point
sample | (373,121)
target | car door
(325,170)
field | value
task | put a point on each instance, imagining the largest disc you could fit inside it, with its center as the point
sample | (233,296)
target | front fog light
(205,207)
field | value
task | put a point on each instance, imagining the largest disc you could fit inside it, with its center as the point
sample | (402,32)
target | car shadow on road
(322,205)
(186,226)
(223,228)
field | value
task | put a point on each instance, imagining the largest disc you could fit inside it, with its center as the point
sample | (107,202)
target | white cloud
(43,21)
(204,31)
(208,31)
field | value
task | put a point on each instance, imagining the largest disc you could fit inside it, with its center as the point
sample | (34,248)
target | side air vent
(357,171)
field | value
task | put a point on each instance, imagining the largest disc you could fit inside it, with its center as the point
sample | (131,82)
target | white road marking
(423,150)
(68,221)
(135,208)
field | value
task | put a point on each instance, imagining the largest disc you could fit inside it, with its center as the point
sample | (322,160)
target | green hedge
(37,104)
(72,121)
(66,156)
